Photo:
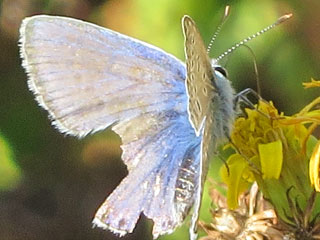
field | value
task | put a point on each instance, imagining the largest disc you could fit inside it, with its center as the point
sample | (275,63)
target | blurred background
(51,184)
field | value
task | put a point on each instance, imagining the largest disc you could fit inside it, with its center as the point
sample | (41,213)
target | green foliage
(10,173)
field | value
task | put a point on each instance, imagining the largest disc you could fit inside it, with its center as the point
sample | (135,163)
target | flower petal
(314,167)
(313,83)
(234,178)
(271,158)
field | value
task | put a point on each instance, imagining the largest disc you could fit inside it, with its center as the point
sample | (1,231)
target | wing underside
(200,82)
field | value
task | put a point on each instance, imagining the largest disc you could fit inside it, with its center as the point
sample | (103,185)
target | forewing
(200,79)
(89,77)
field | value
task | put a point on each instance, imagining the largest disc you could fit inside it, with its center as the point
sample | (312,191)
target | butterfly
(170,115)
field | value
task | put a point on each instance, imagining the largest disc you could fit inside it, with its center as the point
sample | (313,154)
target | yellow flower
(310,116)
(260,142)
(280,153)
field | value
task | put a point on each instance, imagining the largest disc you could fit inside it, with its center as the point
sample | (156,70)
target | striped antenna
(225,16)
(244,41)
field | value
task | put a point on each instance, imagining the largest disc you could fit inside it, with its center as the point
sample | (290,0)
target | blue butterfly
(170,116)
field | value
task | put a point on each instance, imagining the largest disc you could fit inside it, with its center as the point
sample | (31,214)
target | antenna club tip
(284,18)
(226,12)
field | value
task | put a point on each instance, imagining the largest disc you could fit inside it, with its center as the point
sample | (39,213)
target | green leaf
(9,171)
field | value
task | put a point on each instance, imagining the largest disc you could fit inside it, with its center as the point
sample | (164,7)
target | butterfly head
(218,69)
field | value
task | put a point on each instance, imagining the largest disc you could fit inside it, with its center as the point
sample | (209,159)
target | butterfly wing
(202,94)
(200,82)
(163,185)
(89,78)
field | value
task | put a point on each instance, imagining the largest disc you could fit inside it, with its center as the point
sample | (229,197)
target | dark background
(51,184)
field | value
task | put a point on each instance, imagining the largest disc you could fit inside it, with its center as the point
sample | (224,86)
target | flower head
(280,153)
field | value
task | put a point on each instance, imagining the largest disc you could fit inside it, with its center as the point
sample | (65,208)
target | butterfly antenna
(225,16)
(244,41)
(255,69)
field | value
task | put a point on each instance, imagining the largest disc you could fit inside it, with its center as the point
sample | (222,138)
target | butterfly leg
(242,97)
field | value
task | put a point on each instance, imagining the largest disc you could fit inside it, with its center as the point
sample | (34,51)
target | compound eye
(221,70)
